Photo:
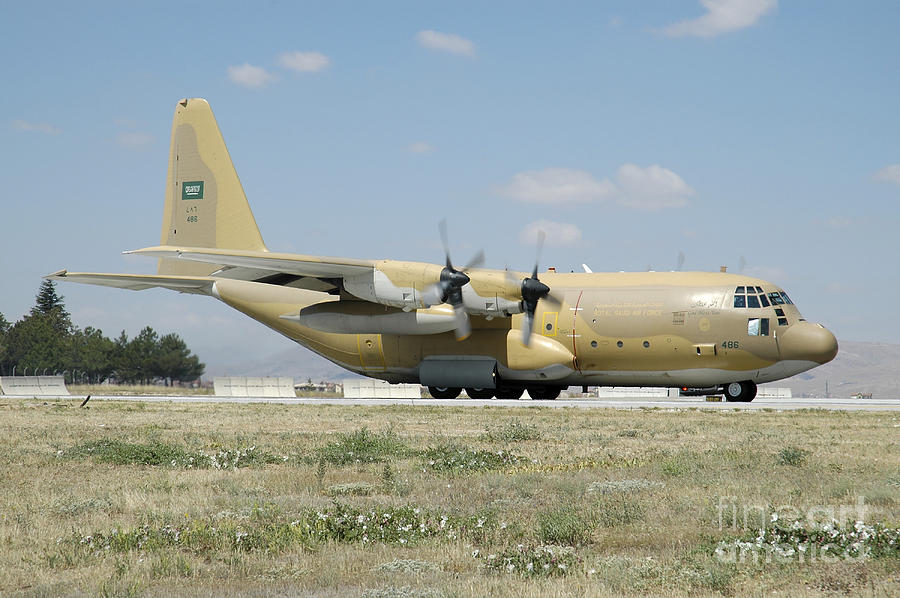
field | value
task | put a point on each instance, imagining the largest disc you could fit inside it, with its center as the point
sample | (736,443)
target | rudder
(205,202)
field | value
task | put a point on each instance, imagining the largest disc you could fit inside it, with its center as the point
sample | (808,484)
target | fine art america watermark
(787,533)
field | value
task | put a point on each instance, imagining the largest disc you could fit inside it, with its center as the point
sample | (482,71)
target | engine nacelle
(492,305)
(398,290)
(395,284)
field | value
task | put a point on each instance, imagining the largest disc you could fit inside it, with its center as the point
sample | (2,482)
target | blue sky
(629,131)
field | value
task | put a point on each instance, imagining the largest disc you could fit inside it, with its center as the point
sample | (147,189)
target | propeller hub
(533,290)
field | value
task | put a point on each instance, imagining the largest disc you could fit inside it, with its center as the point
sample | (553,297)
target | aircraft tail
(205,202)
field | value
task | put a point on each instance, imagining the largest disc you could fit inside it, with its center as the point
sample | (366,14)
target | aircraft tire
(480,393)
(544,393)
(740,392)
(508,393)
(444,392)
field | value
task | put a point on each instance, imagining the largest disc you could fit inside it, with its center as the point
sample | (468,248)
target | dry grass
(642,496)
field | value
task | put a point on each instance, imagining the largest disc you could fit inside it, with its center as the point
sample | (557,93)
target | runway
(759,404)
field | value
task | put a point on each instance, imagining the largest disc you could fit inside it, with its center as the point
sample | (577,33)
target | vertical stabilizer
(205,202)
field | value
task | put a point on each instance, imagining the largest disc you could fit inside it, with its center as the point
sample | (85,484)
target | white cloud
(420,147)
(247,75)
(556,186)
(557,233)
(651,188)
(889,174)
(36,127)
(134,139)
(304,62)
(446,42)
(722,16)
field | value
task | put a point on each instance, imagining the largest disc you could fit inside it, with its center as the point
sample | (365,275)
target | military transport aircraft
(495,333)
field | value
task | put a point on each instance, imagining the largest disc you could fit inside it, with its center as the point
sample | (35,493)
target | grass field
(155,499)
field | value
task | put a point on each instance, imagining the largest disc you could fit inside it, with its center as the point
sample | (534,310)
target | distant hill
(295,362)
(859,367)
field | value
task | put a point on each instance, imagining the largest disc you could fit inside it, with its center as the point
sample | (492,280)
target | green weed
(512,431)
(792,456)
(452,458)
(362,446)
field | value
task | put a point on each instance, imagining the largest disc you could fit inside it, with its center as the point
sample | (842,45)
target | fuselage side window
(753,327)
(752,301)
(758,326)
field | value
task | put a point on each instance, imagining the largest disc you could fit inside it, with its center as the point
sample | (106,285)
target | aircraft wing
(282,263)
(200,285)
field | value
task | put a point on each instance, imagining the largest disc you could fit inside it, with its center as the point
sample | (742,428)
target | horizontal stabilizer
(139,282)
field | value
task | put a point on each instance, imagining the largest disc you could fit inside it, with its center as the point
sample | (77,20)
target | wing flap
(138,282)
(299,265)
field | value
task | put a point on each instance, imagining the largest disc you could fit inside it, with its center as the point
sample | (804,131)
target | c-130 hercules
(492,332)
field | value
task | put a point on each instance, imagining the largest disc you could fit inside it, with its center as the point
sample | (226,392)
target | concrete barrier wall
(35,386)
(770,392)
(369,388)
(246,386)
(606,392)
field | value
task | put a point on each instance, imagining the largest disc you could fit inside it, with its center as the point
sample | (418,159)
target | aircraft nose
(805,341)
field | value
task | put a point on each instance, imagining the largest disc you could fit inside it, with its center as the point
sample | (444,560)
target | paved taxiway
(760,403)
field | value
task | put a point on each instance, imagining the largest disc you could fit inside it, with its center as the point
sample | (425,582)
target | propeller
(448,289)
(680,263)
(533,290)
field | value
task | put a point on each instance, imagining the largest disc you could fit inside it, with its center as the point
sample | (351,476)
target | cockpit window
(776,299)
(786,298)
(751,296)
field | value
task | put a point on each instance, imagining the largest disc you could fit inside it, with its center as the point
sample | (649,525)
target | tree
(34,343)
(4,329)
(176,362)
(91,352)
(49,304)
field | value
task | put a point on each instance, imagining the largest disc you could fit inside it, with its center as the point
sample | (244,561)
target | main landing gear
(740,392)
(508,393)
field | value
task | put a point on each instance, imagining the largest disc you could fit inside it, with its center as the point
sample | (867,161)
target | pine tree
(4,351)
(176,362)
(49,304)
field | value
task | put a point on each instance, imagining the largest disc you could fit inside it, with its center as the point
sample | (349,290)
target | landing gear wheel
(480,393)
(740,392)
(444,392)
(544,393)
(509,394)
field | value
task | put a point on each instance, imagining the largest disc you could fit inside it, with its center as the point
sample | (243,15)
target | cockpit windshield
(754,297)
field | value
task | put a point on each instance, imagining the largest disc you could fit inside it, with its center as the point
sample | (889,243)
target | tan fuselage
(648,329)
